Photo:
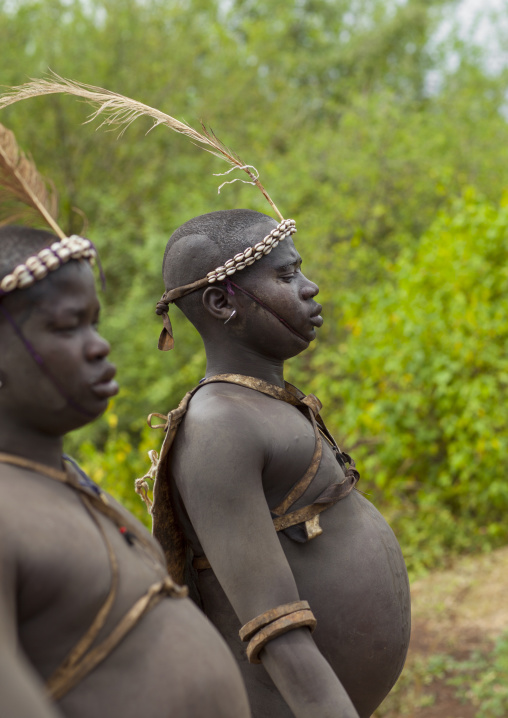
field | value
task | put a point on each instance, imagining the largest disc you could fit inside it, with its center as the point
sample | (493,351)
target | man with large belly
(91,625)
(255,503)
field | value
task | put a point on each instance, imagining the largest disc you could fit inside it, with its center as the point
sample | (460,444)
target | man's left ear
(217,302)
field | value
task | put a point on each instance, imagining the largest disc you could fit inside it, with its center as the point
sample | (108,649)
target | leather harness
(166,528)
(84,656)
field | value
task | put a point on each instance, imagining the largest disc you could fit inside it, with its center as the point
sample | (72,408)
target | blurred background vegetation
(386,138)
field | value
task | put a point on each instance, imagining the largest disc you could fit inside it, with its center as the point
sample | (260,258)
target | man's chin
(85,412)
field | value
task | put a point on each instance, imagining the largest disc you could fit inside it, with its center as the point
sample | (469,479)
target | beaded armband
(273,623)
(47,260)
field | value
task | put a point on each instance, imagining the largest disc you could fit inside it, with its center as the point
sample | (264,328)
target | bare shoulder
(231,429)
(19,498)
(222,430)
(229,401)
(224,412)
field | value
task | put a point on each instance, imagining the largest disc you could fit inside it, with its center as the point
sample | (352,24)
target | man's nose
(309,289)
(97,347)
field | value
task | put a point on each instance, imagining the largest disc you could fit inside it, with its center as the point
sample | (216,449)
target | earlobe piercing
(230,316)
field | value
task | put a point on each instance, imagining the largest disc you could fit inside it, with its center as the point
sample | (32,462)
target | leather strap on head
(285,228)
(166,341)
(266,308)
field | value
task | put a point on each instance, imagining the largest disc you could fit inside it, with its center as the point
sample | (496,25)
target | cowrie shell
(8,283)
(25,279)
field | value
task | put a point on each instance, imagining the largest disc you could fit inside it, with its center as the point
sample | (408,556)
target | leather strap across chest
(310,406)
(82,658)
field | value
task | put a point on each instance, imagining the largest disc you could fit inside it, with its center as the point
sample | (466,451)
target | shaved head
(206,242)
(18,243)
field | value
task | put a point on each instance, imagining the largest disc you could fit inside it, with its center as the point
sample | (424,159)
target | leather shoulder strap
(250,382)
(69,674)
(310,405)
(166,528)
(303,484)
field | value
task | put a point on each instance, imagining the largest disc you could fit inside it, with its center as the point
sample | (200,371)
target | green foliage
(480,680)
(421,385)
(122,460)
(331,100)
(483,680)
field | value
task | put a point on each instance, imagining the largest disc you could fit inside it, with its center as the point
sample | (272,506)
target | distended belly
(173,663)
(355,579)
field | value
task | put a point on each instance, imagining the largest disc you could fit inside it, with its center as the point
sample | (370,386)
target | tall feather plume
(120,111)
(23,191)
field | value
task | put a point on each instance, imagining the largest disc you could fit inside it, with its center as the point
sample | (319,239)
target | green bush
(421,385)
(331,101)
(480,680)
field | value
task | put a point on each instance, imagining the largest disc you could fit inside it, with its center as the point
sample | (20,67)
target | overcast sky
(474,18)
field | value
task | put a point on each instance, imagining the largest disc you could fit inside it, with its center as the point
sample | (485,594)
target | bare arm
(21,691)
(221,486)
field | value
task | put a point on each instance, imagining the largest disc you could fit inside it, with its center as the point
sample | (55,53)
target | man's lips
(105,387)
(316,318)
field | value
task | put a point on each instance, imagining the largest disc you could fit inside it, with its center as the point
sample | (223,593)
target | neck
(24,442)
(239,359)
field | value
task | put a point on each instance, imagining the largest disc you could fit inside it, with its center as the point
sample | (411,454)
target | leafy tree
(331,100)
(421,386)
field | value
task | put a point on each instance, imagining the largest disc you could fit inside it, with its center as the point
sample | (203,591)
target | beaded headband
(117,110)
(47,260)
(286,228)
(23,189)
(22,185)
(241,260)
